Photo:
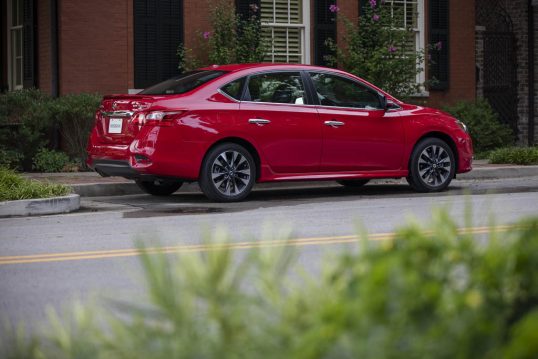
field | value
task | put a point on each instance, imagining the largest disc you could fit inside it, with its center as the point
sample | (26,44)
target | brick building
(116,46)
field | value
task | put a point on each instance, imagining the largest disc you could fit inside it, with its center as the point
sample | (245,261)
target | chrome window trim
(219,90)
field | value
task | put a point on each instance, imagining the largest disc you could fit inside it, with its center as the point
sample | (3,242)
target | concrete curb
(105,189)
(40,206)
(125,188)
(491,172)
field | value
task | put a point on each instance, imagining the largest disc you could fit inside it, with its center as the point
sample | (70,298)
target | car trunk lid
(116,118)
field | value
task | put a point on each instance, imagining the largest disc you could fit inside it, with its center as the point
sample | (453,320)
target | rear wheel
(159,187)
(228,173)
(432,166)
(353,183)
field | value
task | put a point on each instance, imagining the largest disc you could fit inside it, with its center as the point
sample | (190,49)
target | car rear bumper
(108,168)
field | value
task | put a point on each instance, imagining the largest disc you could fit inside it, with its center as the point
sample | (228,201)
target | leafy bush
(484,125)
(25,123)
(75,115)
(377,49)
(428,293)
(515,155)
(28,120)
(14,187)
(50,161)
(232,39)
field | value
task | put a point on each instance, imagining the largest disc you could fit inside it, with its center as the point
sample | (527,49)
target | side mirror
(383,101)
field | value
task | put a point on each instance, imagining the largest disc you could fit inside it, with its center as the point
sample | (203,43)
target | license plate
(115,124)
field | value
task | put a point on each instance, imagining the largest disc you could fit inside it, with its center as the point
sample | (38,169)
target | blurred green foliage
(485,128)
(430,292)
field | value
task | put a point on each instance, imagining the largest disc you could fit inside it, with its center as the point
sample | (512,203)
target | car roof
(240,67)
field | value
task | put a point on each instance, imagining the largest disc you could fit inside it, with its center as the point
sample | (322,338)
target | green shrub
(486,129)
(29,119)
(515,155)
(10,158)
(231,39)
(75,115)
(25,125)
(50,161)
(14,187)
(428,293)
(377,49)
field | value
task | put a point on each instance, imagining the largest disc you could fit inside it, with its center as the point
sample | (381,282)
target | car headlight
(462,126)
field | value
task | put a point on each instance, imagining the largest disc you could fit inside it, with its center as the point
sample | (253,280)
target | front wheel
(432,166)
(228,173)
(159,187)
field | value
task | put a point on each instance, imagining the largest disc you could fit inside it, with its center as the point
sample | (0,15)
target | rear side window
(182,83)
(234,89)
(277,87)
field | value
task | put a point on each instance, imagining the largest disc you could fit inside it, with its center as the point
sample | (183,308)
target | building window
(15,44)
(410,14)
(286,27)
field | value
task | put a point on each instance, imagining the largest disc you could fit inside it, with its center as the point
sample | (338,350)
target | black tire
(353,183)
(159,187)
(432,166)
(228,173)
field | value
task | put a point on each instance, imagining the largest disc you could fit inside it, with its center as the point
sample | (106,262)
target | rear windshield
(182,83)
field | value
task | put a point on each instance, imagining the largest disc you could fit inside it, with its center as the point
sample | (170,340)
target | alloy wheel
(434,165)
(231,173)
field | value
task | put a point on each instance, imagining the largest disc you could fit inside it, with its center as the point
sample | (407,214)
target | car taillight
(156,118)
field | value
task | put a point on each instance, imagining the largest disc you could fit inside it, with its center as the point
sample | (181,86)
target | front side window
(283,87)
(183,83)
(333,90)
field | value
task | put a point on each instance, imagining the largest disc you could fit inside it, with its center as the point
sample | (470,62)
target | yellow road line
(130,252)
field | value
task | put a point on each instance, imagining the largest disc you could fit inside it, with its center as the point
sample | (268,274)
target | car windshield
(182,83)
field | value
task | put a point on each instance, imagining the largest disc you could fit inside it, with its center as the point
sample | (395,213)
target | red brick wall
(43,49)
(95,46)
(196,14)
(462,55)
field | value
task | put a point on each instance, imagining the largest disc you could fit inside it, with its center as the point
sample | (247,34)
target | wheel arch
(242,142)
(442,136)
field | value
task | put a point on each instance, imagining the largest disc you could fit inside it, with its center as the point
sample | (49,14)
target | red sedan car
(230,126)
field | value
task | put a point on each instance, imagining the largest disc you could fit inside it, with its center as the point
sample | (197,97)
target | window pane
(342,92)
(277,88)
(234,89)
(18,72)
(18,42)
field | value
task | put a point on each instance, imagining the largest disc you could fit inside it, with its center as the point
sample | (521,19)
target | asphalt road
(51,260)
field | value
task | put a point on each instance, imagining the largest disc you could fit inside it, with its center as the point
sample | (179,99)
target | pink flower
(373,3)
(207,35)
(392,49)
(375,17)
(438,45)
(334,8)
(253,7)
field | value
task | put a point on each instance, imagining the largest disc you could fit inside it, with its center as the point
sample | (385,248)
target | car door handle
(258,121)
(334,124)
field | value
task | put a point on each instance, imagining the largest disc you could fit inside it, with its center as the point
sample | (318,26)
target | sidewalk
(90,184)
